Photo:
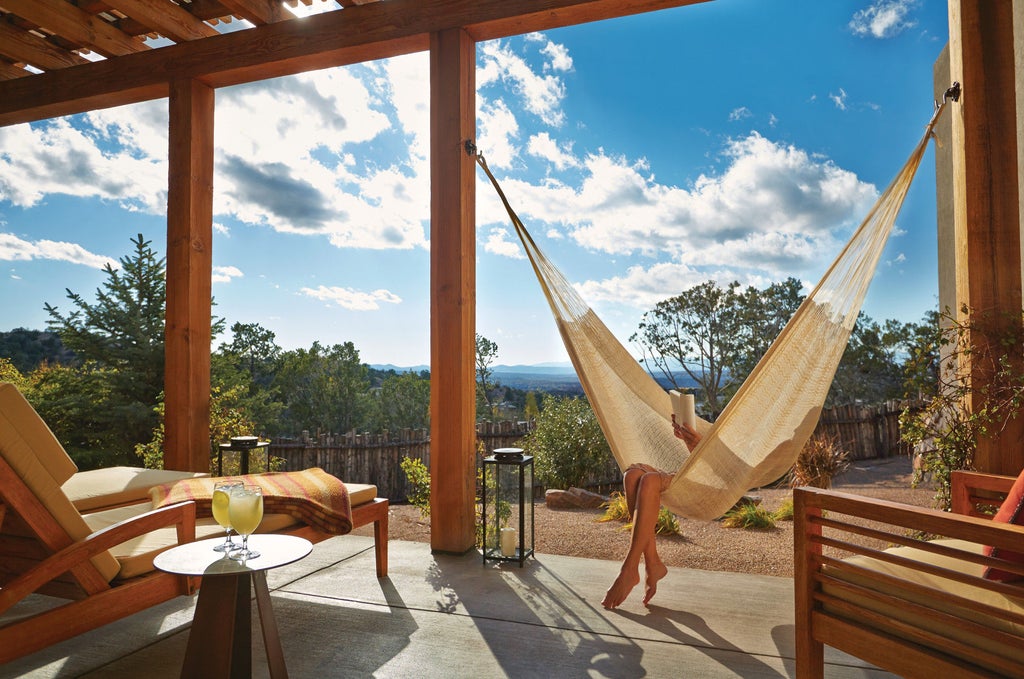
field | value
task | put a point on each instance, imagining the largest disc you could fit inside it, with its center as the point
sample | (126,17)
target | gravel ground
(706,545)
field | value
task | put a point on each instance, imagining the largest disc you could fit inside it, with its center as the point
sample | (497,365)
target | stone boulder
(574,498)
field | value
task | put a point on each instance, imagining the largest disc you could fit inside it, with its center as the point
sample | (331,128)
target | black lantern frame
(507,505)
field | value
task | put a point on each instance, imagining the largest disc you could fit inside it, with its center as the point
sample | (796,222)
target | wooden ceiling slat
(10,71)
(258,11)
(76,26)
(364,33)
(20,45)
(166,18)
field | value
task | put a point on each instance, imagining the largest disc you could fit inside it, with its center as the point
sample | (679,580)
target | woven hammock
(759,434)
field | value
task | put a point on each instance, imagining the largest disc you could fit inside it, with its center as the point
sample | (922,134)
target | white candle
(682,406)
(508,541)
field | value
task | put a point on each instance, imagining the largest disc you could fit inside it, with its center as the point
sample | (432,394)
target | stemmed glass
(221,499)
(246,511)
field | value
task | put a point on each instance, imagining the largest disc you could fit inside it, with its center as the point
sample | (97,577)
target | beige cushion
(115,486)
(939,601)
(22,435)
(360,493)
(23,432)
(135,557)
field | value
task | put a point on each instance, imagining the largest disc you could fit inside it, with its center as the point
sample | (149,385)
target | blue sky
(730,140)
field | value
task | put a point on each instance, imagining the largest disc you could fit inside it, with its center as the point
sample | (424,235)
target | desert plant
(568,445)
(419,479)
(947,429)
(616,509)
(785,511)
(748,515)
(820,461)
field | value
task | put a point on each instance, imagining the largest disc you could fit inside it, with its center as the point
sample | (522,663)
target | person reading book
(643,485)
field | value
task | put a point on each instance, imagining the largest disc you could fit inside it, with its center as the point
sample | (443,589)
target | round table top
(198,558)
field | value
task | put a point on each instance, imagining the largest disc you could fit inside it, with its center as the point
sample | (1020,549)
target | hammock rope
(759,434)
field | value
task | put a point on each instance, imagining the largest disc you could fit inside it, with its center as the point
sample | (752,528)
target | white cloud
(497,128)
(354,300)
(499,243)
(739,114)
(559,55)
(883,19)
(839,99)
(224,274)
(13,249)
(542,94)
(541,145)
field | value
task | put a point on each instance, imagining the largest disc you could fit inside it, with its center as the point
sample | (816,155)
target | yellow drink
(245,511)
(221,500)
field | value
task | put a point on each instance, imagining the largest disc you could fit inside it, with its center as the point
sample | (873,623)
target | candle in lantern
(508,541)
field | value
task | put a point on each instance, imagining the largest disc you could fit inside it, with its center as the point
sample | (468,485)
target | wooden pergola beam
(452,292)
(168,19)
(986,199)
(189,271)
(364,33)
(77,25)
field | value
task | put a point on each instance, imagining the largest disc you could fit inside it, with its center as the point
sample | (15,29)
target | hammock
(759,434)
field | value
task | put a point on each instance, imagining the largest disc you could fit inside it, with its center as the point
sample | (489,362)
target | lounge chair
(101,558)
(923,608)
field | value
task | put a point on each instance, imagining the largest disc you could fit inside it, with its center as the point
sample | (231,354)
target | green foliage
(227,418)
(715,335)
(10,373)
(947,430)
(819,462)
(28,349)
(567,443)
(748,515)
(419,479)
(403,402)
(486,352)
(530,409)
(324,389)
(616,509)
(785,511)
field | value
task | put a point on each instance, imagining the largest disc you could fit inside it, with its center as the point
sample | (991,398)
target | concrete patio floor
(450,616)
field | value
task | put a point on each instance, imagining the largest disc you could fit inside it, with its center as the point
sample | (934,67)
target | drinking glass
(246,512)
(221,498)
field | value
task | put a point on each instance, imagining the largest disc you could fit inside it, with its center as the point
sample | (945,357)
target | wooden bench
(921,608)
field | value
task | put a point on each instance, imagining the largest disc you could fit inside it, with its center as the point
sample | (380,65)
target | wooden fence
(864,432)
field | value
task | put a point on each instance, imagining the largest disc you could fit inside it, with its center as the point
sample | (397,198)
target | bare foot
(655,571)
(621,588)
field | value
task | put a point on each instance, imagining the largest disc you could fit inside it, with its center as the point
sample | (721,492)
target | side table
(220,641)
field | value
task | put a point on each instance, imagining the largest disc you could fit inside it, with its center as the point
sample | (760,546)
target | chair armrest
(182,515)
(965,495)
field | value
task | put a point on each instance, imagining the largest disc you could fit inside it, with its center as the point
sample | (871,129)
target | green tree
(530,409)
(486,352)
(696,332)
(323,389)
(569,447)
(121,334)
(404,401)
(246,368)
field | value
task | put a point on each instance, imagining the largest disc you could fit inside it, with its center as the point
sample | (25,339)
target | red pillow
(1011,511)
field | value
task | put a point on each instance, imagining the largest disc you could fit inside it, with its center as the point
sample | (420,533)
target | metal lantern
(507,501)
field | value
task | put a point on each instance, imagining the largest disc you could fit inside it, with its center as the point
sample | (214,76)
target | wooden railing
(864,432)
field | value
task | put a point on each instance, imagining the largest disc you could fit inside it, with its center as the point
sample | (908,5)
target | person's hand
(685,432)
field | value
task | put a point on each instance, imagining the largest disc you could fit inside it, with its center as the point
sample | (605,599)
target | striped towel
(312,496)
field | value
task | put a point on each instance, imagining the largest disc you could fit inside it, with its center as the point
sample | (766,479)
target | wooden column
(452,293)
(189,270)
(987,223)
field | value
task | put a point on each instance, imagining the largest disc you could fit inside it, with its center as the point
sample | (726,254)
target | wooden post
(189,271)
(452,293)
(986,194)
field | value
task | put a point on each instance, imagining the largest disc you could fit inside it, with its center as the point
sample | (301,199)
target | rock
(574,498)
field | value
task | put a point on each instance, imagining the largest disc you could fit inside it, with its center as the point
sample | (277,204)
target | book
(682,406)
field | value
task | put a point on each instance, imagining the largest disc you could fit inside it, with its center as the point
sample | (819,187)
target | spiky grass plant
(820,461)
(616,509)
(785,510)
(747,515)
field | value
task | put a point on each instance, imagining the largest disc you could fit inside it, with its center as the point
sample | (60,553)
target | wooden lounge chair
(922,608)
(102,557)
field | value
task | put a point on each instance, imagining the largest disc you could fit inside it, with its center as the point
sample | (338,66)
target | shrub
(419,478)
(568,445)
(748,515)
(617,510)
(785,511)
(820,461)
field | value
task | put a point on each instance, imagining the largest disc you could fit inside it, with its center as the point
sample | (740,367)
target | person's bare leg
(648,502)
(630,483)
